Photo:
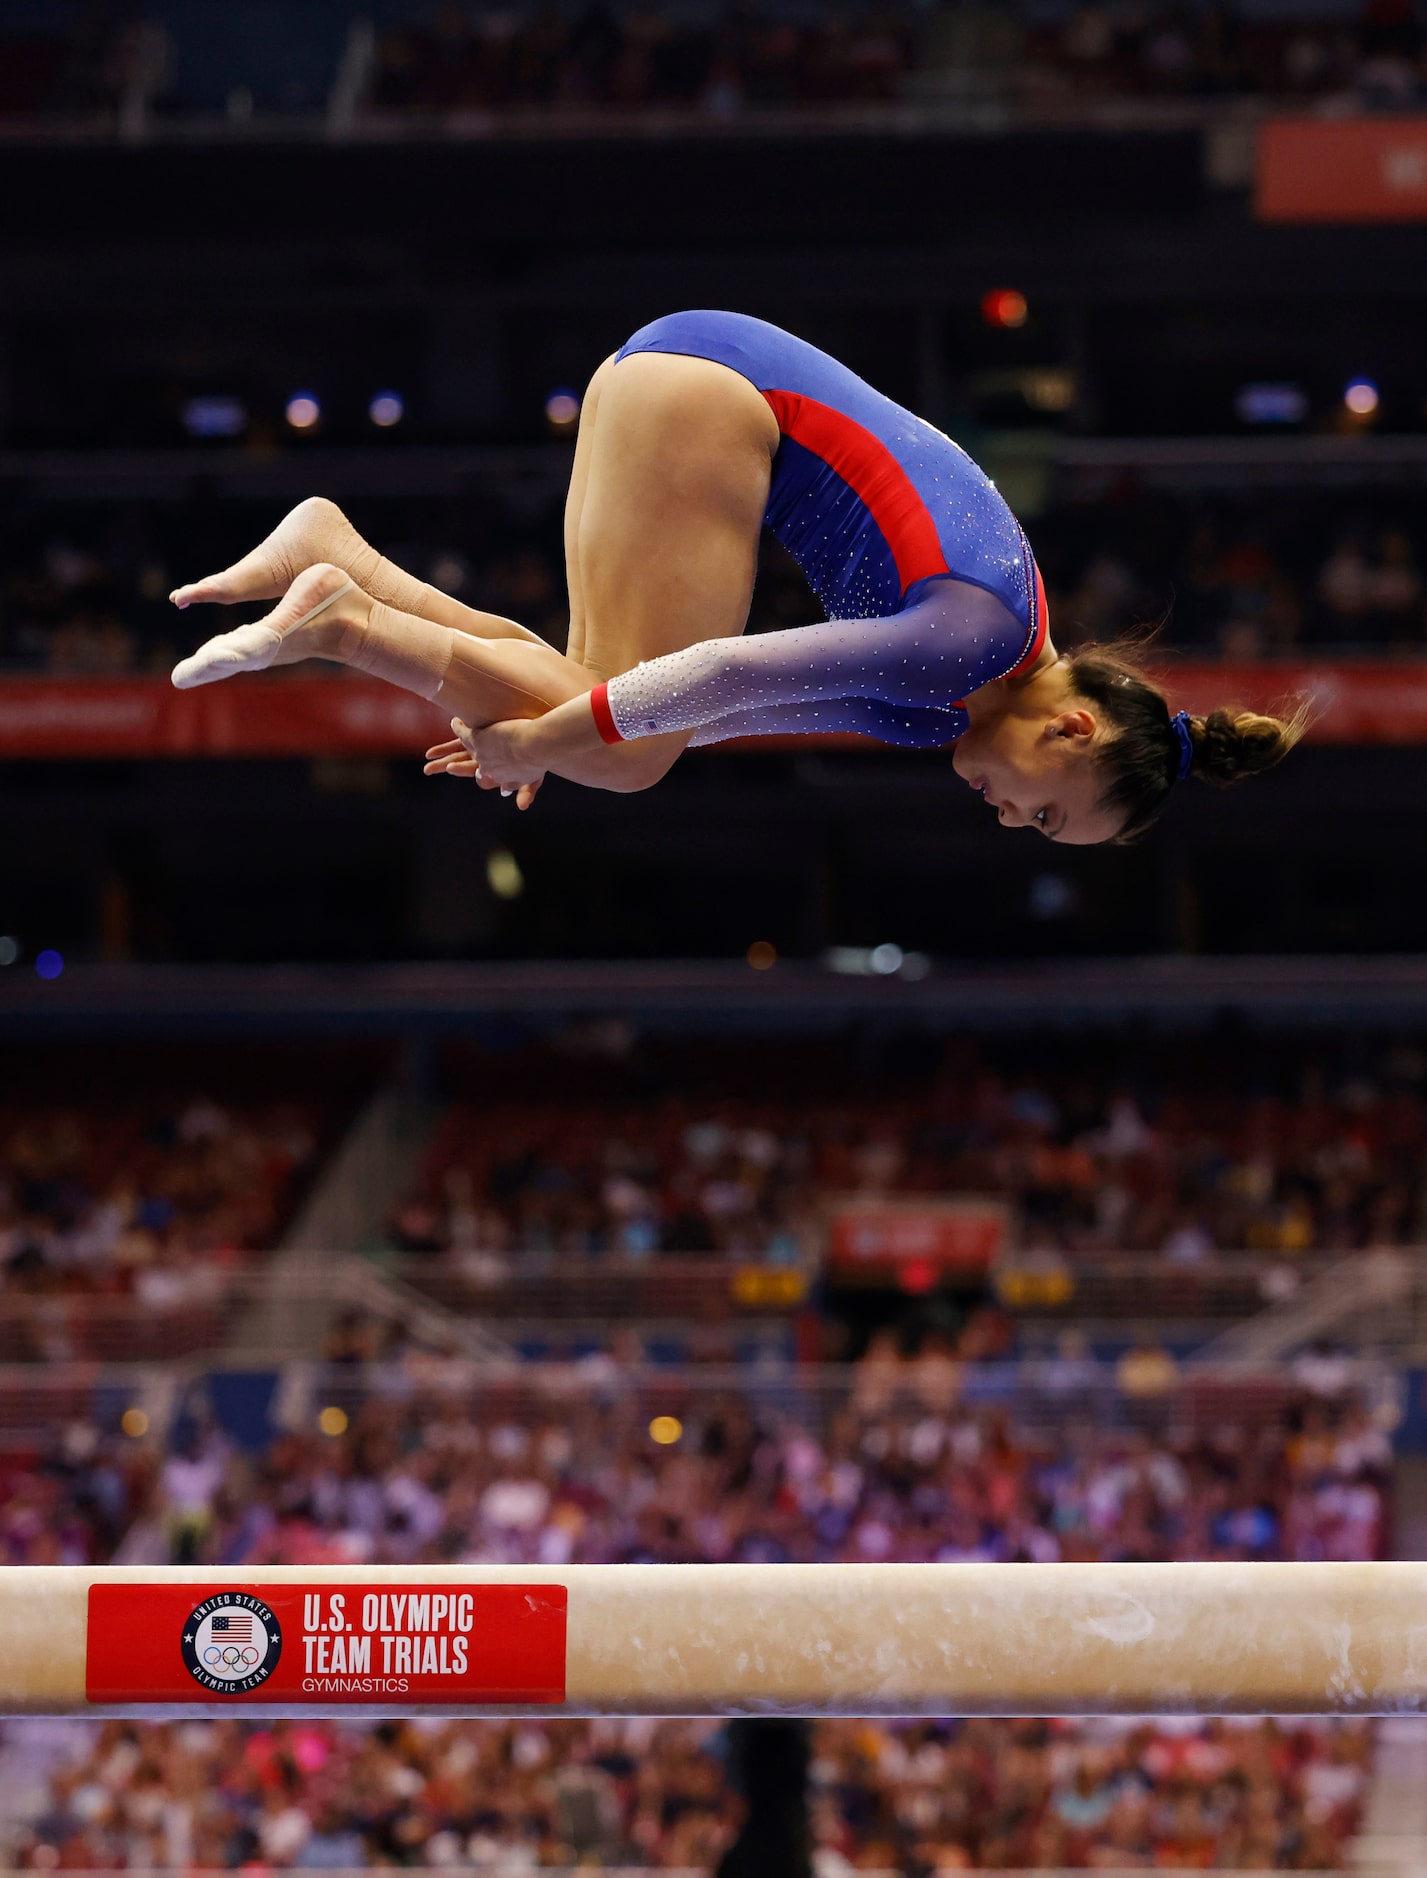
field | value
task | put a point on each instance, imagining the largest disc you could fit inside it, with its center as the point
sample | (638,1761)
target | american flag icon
(235,1624)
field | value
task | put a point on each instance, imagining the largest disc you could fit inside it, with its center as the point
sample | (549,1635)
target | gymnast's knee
(321,511)
(631,767)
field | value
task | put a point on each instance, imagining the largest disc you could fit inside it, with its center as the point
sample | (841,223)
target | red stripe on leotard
(604,717)
(1038,632)
(873,474)
(1036,643)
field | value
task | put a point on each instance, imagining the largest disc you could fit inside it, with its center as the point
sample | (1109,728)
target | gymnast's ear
(1074,725)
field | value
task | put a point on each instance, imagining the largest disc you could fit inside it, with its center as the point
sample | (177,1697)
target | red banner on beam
(1360,170)
(1374,701)
(346,1643)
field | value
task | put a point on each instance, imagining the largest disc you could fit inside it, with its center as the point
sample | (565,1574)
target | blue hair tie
(1179,724)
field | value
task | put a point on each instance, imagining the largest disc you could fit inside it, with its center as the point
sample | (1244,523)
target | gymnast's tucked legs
(667,495)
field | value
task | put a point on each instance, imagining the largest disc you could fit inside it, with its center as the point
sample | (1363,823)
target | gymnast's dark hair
(1143,757)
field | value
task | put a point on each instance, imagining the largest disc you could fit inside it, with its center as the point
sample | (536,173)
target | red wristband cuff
(604,717)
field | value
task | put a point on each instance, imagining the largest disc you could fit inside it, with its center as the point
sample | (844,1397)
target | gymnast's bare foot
(311,621)
(315,531)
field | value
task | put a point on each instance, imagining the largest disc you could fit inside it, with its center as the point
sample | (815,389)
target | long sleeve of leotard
(913,727)
(954,639)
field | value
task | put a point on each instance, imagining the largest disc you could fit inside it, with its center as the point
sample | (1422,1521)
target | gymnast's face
(1036,768)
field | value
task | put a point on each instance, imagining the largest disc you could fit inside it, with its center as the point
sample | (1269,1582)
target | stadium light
(303,412)
(1003,307)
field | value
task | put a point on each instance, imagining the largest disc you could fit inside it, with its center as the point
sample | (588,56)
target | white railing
(1375,1299)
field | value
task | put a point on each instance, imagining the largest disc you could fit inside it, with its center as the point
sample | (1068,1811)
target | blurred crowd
(421,1476)
(1241,577)
(146,1199)
(921,1799)
(939,1797)
(313,1795)
(725,59)
(717,58)
(1097,1153)
(1101,1150)
(1247,577)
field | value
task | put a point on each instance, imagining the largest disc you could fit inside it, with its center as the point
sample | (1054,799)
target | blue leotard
(929,585)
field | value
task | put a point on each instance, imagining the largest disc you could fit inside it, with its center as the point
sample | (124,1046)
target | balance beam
(1214,1639)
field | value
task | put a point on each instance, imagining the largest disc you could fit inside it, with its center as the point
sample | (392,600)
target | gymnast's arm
(627,768)
(911,727)
(956,638)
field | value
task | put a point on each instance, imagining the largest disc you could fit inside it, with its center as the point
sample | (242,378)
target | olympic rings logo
(231,1644)
(231,1657)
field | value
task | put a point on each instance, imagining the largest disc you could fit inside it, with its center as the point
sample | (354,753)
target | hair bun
(1231,745)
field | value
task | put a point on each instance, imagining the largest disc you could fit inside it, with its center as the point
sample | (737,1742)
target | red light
(1003,306)
(916,1276)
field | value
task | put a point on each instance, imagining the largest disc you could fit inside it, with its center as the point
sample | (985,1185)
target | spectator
(1345,581)
(1397,589)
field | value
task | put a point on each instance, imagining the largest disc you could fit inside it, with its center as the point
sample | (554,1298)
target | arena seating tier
(719,62)
(84,590)
(1109,1150)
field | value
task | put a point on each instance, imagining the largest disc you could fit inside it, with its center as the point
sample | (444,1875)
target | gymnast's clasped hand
(516,754)
(499,756)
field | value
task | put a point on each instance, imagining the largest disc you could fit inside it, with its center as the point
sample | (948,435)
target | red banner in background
(1372,701)
(1358,170)
(877,1239)
(279,716)
(1375,701)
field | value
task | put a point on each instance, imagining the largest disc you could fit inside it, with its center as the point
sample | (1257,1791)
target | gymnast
(705,427)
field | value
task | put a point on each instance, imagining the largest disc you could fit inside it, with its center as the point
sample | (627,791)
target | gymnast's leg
(317,531)
(325,615)
(661,534)
(665,548)
(344,602)
(663,539)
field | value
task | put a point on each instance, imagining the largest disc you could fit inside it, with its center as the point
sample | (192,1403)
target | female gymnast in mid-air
(702,429)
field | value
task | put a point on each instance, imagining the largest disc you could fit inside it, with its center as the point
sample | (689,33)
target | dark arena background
(783,1165)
